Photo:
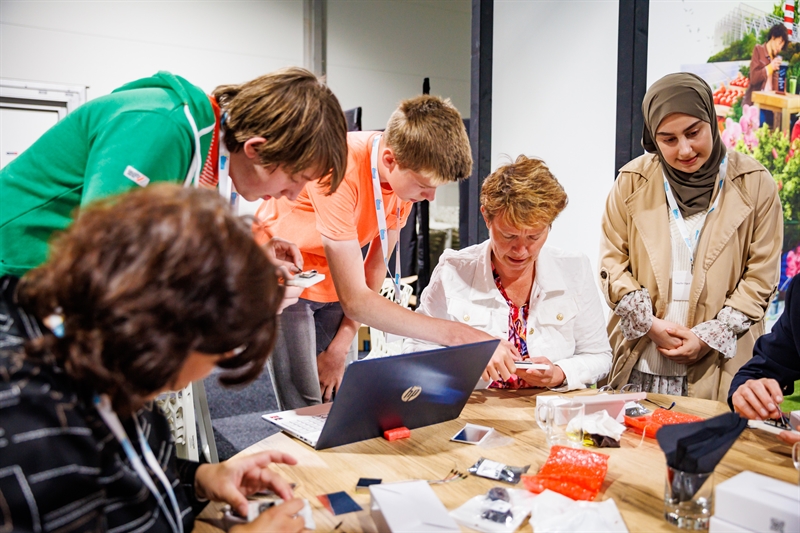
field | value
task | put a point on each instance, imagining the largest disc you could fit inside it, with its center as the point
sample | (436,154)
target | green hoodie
(136,135)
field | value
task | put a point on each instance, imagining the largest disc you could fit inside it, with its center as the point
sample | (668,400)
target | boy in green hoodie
(261,139)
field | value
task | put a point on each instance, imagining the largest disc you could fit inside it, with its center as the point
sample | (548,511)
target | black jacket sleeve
(777,354)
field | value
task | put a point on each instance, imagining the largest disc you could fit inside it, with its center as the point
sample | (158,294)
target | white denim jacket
(566,324)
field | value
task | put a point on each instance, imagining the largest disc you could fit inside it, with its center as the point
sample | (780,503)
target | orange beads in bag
(575,473)
(650,424)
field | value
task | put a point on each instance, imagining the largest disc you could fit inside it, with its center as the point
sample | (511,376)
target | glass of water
(688,499)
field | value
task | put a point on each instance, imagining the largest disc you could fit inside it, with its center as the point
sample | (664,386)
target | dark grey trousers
(306,329)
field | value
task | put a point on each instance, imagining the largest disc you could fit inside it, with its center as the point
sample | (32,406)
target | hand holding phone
(530,365)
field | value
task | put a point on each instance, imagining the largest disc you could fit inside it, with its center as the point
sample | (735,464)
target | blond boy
(425,145)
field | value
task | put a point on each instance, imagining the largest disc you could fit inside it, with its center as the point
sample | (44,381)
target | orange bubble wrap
(650,424)
(575,473)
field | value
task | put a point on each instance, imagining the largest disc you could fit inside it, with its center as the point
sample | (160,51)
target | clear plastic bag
(499,511)
(498,471)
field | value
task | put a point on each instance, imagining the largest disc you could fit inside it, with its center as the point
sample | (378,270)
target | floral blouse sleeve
(721,333)
(636,314)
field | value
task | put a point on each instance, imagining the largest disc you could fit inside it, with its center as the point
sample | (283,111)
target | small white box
(717,525)
(758,503)
(410,506)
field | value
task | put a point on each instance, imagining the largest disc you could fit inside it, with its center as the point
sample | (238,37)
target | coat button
(530,331)
(466,318)
(559,316)
(604,274)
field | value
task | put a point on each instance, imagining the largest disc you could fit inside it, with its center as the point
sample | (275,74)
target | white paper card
(681,283)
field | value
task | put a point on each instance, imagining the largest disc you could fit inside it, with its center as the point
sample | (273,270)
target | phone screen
(471,434)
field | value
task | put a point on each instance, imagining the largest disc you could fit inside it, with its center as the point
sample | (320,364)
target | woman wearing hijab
(690,250)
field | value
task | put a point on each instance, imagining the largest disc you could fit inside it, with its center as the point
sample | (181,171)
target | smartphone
(306,279)
(525,365)
(472,434)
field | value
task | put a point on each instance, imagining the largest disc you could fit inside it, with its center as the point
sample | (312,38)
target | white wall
(380,51)
(106,44)
(554,96)
(682,33)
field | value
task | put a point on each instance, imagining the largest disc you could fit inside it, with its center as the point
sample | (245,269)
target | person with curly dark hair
(135,305)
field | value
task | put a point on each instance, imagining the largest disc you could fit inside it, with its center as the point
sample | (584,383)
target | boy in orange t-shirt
(424,146)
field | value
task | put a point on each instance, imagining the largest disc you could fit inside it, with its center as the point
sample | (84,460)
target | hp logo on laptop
(411,393)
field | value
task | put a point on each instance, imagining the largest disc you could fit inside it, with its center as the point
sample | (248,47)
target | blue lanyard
(692,240)
(381,214)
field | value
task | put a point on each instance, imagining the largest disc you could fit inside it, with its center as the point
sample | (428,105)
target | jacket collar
(647,207)
(548,276)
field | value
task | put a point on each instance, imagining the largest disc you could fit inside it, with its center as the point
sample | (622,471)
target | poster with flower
(747,35)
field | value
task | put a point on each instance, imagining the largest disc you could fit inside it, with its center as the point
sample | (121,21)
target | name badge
(681,283)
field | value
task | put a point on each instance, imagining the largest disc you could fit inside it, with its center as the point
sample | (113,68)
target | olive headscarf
(684,93)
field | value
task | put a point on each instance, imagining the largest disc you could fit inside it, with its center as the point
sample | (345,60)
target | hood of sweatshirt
(197,108)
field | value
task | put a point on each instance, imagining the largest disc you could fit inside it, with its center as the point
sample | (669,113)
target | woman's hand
(552,377)
(758,399)
(501,365)
(692,349)
(279,518)
(232,480)
(661,337)
(284,253)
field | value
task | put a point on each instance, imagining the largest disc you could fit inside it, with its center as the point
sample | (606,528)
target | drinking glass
(688,499)
(555,420)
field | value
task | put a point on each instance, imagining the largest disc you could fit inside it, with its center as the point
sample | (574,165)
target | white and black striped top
(61,470)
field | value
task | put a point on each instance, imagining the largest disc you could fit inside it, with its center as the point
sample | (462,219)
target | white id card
(681,283)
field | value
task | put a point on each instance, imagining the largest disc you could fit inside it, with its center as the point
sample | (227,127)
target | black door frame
(631,87)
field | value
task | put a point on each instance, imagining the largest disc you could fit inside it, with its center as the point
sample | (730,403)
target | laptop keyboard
(306,424)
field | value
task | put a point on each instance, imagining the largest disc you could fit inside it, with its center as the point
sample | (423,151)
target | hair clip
(55,322)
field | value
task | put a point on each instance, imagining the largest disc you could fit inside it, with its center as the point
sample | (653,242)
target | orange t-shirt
(347,214)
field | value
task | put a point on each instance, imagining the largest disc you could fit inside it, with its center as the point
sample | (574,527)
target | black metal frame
(631,88)
(471,227)
(631,78)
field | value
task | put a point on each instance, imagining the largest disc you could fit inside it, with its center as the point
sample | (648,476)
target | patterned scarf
(517,334)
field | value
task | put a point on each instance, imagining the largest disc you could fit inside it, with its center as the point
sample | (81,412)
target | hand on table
(232,480)
(690,351)
(552,377)
(790,437)
(330,367)
(661,337)
(281,518)
(501,365)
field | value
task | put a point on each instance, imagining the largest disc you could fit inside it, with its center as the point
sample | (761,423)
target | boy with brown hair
(279,131)
(425,145)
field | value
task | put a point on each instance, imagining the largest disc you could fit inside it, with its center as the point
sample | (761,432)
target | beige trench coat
(737,261)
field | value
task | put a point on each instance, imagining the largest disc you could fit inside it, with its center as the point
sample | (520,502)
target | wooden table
(635,478)
(784,104)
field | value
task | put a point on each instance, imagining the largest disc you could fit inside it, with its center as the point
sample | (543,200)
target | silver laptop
(410,390)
